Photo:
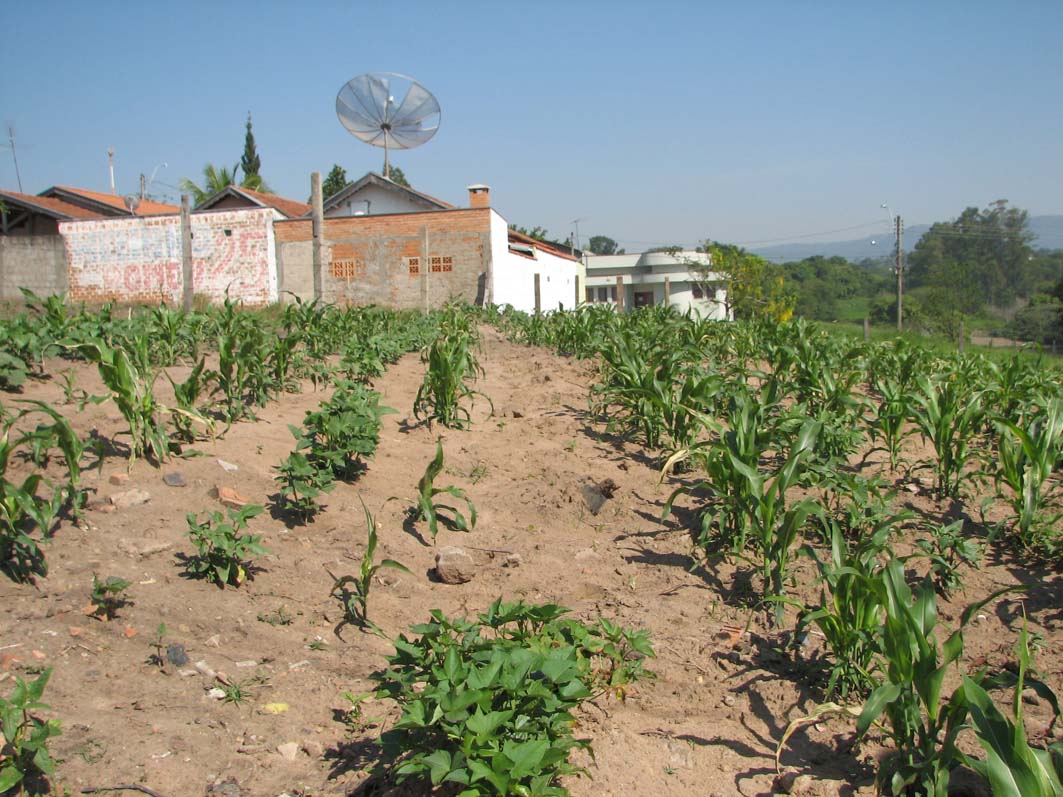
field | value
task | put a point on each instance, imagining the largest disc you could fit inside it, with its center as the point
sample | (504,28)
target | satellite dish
(132,201)
(388,110)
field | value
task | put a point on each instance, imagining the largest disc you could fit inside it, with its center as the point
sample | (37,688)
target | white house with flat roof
(681,280)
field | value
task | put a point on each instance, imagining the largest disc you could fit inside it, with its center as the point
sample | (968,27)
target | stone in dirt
(176,655)
(119,478)
(128,498)
(227,466)
(513,560)
(454,565)
(595,495)
(175,479)
(230,498)
(224,788)
(142,548)
(289,750)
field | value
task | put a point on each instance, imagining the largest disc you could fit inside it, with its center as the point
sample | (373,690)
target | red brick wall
(365,258)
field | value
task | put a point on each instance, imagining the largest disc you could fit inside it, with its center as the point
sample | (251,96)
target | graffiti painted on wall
(139,259)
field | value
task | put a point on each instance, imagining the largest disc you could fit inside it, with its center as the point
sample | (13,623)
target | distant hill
(1047,229)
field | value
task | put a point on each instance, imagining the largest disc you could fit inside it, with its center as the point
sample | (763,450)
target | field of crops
(316,550)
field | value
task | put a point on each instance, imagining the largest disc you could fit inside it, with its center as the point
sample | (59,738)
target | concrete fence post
(620,294)
(538,294)
(318,222)
(188,287)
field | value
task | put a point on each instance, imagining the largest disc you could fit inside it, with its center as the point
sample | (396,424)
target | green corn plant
(26,507)
(428,510)
(776,522)
(1027,458)
(450,364)
(948,413)
(352,592)
(223,552)
(134,396)
(25,763)
(849,613)
(1012,767)
(187,395)
(922,723)
(889,417)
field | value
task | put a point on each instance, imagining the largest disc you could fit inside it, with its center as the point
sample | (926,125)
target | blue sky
(655,123)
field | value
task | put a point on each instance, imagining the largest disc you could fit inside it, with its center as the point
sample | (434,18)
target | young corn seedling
(449,362)
(1027,458)
(187,395)
(223,553)
(428,510)
(922,723)
(134,396)
(948,412)
(1012,766)
(850,609)
(352,592)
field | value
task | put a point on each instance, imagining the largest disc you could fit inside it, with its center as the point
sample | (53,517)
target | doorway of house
(643,298)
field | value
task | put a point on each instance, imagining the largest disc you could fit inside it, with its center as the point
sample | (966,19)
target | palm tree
(214,180)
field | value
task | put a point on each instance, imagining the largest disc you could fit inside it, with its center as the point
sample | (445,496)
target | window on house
(590,295)
(612,293)
(603,294)
(698,292)
(439,264)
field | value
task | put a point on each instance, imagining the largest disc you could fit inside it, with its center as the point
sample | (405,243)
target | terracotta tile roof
(146,208)
(554,249)
(51,206)
(291,208)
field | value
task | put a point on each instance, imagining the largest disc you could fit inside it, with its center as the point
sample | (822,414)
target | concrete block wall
(139,259)
(37,262)
(367,259)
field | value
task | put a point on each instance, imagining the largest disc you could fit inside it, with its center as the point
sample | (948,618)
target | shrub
(495,714)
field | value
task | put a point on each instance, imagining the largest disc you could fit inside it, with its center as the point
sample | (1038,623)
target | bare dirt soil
(707,725)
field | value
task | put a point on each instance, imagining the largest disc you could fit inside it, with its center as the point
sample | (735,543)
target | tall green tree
(755,287)
(250,163)
(980,258)
(214,180)
(335,182)
(397,176)
(538,233)
(603,245)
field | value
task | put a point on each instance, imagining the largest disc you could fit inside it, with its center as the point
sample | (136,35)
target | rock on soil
(454,565)
(128,498)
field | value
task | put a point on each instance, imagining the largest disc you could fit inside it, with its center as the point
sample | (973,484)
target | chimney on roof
(479,196)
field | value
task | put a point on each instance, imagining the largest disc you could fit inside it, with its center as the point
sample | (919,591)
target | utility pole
(899,266)
(14,156)
(143,183)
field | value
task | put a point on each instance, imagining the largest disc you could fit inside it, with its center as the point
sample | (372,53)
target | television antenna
(388,110)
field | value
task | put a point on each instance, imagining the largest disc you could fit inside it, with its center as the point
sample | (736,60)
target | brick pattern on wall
(139,259)
(366,258)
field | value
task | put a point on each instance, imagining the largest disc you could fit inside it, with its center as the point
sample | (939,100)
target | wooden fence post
(318,222)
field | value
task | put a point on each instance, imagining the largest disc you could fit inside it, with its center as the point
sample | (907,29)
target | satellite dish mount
(388,110)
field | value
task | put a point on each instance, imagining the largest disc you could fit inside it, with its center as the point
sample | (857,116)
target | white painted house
(680,280)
